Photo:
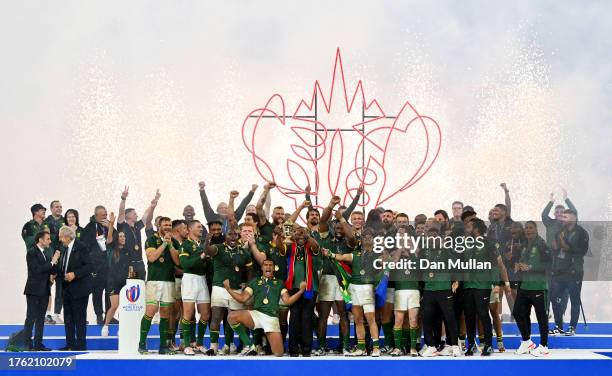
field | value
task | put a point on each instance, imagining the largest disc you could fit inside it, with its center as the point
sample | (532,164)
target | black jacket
(39,271)
(80,264)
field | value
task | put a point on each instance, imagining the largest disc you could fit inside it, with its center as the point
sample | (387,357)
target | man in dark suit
(75,273)
(94,236)
(41,273)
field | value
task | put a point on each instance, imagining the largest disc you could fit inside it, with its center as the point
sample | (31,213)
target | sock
(481,339)
(462,337)
(398,338)
(171,333)
(163,333)
(241,330)
(389,334)
(500,338)
(375,343)
(345,342)
(201,330)
(175,330)
(192,331)
(186,329)
(361,344)
(414,336)
(214,338)
(145,325)
(406,338)
(257,336)
(228,333)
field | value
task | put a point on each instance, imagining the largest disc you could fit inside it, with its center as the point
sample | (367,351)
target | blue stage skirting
(321,366)
(595,336)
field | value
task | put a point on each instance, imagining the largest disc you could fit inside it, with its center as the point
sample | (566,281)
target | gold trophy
(287,232)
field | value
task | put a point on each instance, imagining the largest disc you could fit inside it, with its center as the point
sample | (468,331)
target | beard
(217,239)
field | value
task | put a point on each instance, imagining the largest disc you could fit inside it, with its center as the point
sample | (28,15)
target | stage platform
(587,353)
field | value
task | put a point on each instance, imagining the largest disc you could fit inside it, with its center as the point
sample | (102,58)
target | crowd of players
(261,276)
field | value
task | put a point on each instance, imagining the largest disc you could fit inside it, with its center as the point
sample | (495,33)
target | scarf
(291,258)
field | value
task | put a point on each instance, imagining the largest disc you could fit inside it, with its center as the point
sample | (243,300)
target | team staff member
(230,259)
(438,290)
(118,262)
(41,275)
(570,247)
(267,292)
(72,221)
(222,207)
(75,274)
(55,221)
(128,223)
(361,287)
(161,259)
(34,226)
(477,286)
(532,291)
(194,290)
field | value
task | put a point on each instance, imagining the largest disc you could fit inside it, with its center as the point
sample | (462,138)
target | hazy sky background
(98,94)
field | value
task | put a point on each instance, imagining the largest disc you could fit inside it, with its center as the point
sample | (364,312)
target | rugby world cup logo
(337,144)
(133,293)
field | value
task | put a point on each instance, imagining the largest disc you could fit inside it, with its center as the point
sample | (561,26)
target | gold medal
(275,268)
(161,259)
(237,268)
(431,274)
(362,272)
(265,301)
(136,247)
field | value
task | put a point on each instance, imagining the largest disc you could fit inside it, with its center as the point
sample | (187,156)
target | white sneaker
(540,351)
(201,349)
(429,352)
(58,319)
(375,353)
(357,352)
(446,351)
(188,351)
(104,331)
(525,347)
(462,344)
(225,350)
(233,349)
(396,352)
(457,351)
